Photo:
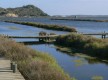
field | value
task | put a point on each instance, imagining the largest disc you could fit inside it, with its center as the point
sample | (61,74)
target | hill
(25,11)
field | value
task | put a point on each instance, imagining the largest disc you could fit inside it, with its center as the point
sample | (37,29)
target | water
(78,67)
(81,26)
(23,30)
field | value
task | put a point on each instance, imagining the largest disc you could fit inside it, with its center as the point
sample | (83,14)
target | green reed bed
(86,44)
(32,64)
(47,26)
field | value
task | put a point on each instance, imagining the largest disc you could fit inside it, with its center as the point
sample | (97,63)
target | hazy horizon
(70,7)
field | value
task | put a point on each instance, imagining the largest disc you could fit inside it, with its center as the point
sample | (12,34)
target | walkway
(6,73)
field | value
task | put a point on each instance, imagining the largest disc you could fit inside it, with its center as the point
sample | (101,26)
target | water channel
(80,67)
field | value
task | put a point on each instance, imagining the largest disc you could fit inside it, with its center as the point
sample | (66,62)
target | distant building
(11,15)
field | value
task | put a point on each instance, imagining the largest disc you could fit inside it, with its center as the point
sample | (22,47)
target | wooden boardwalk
(47,37)
(6,73)
(95,33)
(41,38)
(103,35)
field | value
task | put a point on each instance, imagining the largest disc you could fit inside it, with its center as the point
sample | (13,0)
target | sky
(63,7)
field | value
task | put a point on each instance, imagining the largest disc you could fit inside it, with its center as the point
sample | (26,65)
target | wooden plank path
(41,38)
(51,36)
(104,35)
(6,73)
(95,33)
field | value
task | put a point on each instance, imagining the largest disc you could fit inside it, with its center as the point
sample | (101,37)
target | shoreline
(91,20)
(71,52)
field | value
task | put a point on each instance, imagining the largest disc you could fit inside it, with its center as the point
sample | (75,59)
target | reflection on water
(80,62)
(14,28)
(97,78)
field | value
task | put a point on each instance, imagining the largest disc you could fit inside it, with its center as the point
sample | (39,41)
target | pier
(103,35)
(48,37)
(43,37)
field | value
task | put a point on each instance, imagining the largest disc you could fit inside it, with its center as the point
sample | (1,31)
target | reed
(86,44)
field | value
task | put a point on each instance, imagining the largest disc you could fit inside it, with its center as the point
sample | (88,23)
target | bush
(86,44)
(32,64)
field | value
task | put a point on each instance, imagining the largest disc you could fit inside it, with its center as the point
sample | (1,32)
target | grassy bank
(46,26)
(86,44)
(32,64)
(91,20)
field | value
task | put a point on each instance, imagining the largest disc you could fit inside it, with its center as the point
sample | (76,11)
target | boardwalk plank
(6,73)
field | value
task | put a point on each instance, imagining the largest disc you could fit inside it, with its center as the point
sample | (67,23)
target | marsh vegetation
(86,44)
(32,64)
(47,26)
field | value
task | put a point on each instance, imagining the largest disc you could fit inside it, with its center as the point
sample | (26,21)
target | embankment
(46,26)
(85,44)
(32,64)
(91,20)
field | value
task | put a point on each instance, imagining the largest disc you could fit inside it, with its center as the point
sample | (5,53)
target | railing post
(11,65)
(39,40)
(14,68)
(102,36)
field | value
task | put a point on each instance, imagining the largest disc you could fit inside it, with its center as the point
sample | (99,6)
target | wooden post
(14,68)
(102,36)
(45,39)
(48,39)
(39,39)
(11,65)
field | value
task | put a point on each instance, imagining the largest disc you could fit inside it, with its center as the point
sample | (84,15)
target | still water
(81,26)
(79,67)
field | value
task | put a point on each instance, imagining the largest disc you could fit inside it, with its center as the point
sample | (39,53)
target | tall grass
(47,26)
(32,64)
(86,44)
